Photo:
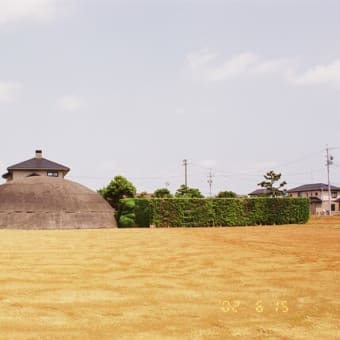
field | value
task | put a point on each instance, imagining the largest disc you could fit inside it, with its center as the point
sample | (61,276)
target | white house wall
(24,173)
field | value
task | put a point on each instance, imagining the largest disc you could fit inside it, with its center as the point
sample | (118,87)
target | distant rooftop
(259,192)
(313,187)
(37,163)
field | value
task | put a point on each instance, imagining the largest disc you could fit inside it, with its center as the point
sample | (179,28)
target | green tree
(226,194)
(271,179)
(118,188)
(162,193)
(185,192)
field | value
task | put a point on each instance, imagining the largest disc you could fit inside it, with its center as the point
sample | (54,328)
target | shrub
(226,194)
(125,213)
(142,212)
(184,212)
(134,212)
(127,221)
(193,212)
(118,188)
(162,193)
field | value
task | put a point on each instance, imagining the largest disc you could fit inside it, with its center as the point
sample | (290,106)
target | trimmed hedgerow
(194,212)
(182,212)
(133,212)
(142,212)
(261,211)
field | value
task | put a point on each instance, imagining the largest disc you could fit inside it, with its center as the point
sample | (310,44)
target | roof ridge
(313,186)
(38,163)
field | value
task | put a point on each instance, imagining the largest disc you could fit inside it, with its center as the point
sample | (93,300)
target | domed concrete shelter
(39,200)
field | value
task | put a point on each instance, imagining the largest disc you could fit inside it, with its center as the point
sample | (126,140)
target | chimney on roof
(38,154)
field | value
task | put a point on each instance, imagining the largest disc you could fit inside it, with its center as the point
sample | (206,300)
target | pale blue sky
(134,87)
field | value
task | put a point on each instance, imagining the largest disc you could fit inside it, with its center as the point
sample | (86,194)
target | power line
(258,172)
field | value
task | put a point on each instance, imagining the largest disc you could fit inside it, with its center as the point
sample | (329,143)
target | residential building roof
(313,187)
(38,164)
(259,192)
(144,195)
(315,200)
(35,164)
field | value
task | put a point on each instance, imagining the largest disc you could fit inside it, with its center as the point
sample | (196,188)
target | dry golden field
(279,282)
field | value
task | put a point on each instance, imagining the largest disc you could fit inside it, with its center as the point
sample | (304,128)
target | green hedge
(143,212)
(192,212)
(182,212)
(125,215)
(133,212)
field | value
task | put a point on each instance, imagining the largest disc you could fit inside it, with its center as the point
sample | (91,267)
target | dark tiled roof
(38,164)
(260,192)
(313,187)
(315,200)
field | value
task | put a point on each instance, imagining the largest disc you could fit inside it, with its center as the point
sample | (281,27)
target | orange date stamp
(259,306)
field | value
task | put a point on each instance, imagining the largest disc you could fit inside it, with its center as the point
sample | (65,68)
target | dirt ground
(279,282)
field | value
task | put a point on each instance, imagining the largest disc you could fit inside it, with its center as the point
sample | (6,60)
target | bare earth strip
(279,282)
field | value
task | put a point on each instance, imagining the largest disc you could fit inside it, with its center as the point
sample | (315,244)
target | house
(318,196)
(37,166)
(144,195)
(259,192)
(37,196)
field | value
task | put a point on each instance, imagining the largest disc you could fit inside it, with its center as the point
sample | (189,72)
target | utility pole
(329,162)
(210,181)
(185,163)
